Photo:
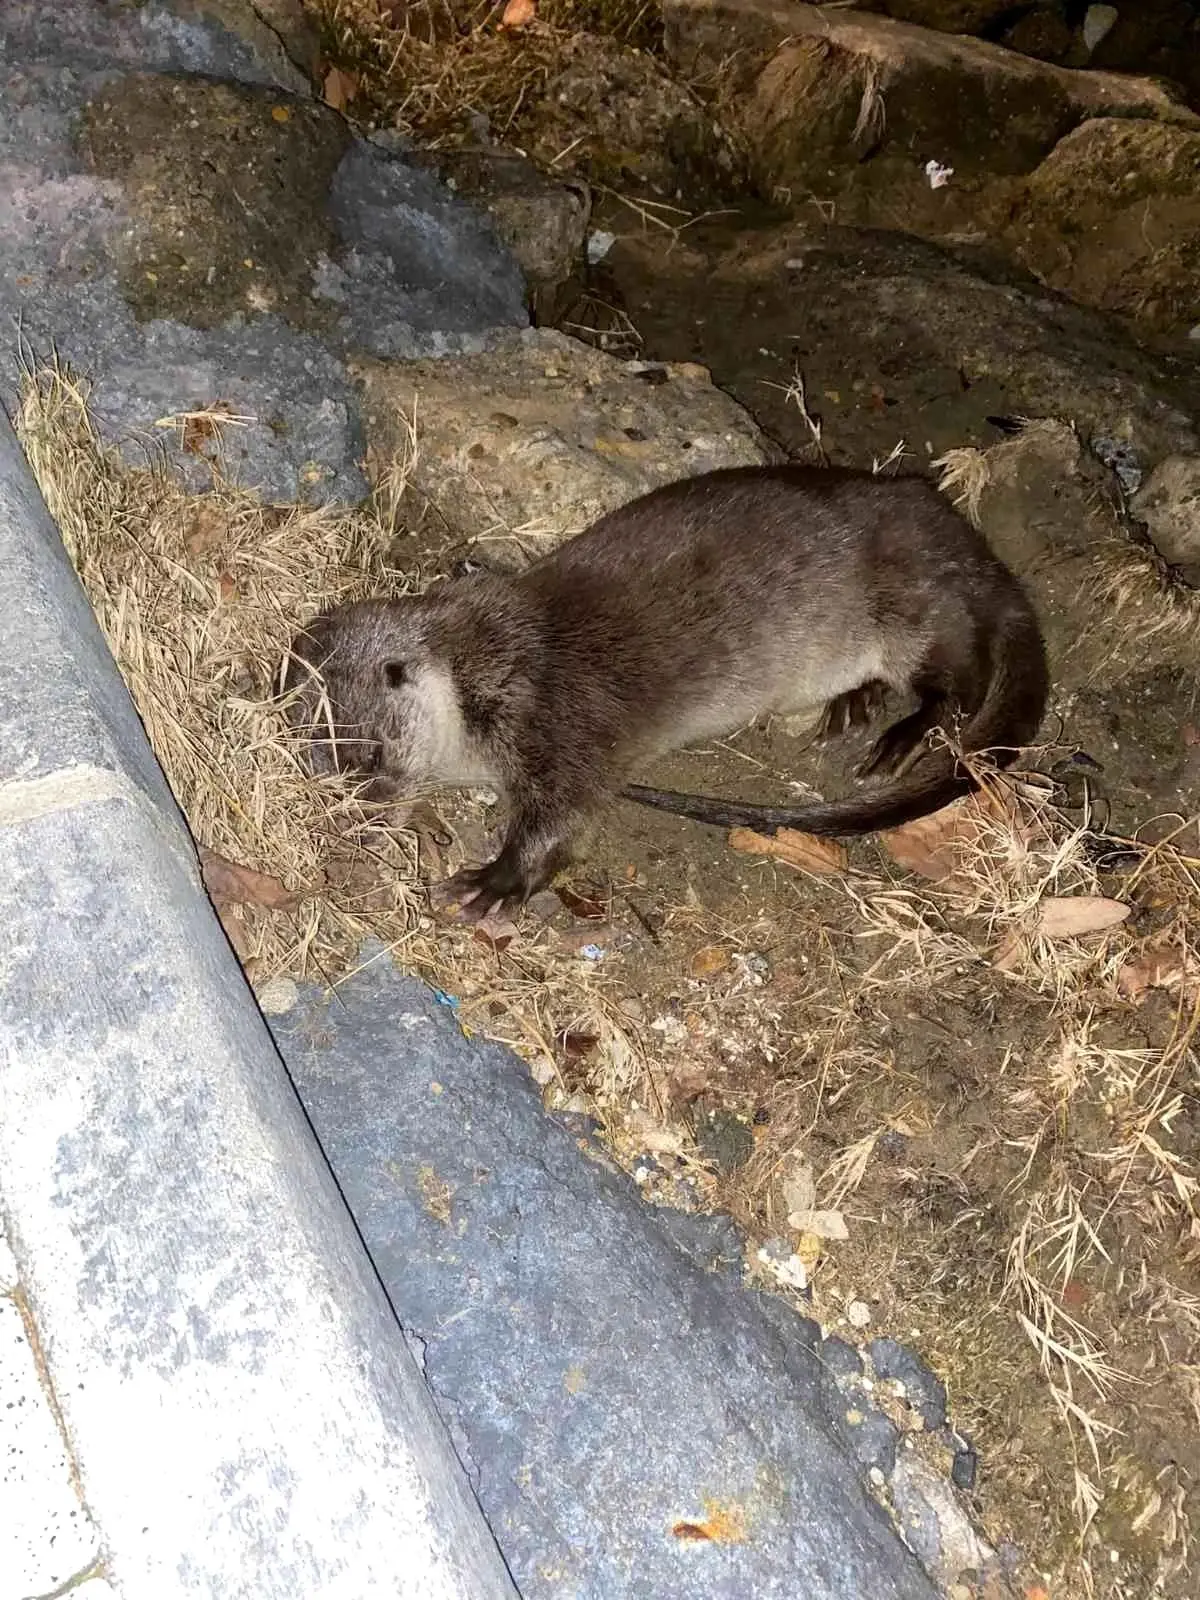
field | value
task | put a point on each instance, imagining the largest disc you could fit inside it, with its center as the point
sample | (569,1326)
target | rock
(614,116)
(840,1358)
(264,42)
(849,108)
(873,1437)
(923,1389)
(934,1524)
(543,222)
(1169,504)
(611,1385)
(540,435)
(201,240)
(1112,218)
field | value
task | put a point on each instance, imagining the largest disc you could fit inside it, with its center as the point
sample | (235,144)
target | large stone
(249,41)
(614,116)
(849,108)
(1169,504)
(541,434)
(542,220)
(636,1423)
(199,240)
(1112,218)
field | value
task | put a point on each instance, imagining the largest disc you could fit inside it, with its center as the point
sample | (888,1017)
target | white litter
(938,175)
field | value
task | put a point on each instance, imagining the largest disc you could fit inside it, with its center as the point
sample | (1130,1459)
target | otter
(682,616)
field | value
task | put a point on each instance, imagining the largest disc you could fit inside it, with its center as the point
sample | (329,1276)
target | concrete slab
(46,1536)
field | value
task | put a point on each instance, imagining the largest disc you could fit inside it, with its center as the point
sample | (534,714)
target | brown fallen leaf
(518,13)
(708,961)
(339,88)
(793,848)
(238,885)
(577,1046)
(496,931)
(1069,916)
(1160,967)
(206,529)
(933,846)
(202,428)
(589,907)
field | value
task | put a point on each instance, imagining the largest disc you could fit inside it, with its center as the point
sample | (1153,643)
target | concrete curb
(244,1415)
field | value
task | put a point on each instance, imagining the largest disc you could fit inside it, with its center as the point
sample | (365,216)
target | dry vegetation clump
(963,1093)
(433,68)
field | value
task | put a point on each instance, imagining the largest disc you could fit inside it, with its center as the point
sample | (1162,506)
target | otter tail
(1008,718)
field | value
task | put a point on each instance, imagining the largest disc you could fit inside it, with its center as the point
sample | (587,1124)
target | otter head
(374,700)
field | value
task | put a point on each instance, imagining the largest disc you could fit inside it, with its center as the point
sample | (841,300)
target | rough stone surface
(923,1389)
(1169,504)
(614,116)
(1112,218)
(614,1395)
(208,241)
(197,1284)
(543,222)
(268,42)
(541,434)
(934,1523)
(46,1536)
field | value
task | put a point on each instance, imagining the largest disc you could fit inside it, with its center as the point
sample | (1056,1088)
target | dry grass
(816,1008)
(199,599)
(434,69)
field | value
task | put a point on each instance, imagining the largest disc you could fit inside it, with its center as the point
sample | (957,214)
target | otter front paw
(476,893)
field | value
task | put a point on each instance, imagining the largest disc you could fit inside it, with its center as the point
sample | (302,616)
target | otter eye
(395,674)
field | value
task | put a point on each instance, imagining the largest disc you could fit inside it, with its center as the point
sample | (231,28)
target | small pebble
(964,1468)
(858,1314)
(277,996)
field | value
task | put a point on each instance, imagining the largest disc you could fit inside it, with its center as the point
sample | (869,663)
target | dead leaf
(590,907)
(339,88)
(1161,967)
(518,13)
(201,428)
(236,931)
(577,1046)
(932,846)
(1069,916)
(708,961)
(496,931)
(793,848)
(227,586)
(237,885)
(206,529)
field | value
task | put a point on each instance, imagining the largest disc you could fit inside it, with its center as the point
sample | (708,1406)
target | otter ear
(395,674)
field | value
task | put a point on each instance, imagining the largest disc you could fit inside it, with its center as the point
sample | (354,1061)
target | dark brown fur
(678,617)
